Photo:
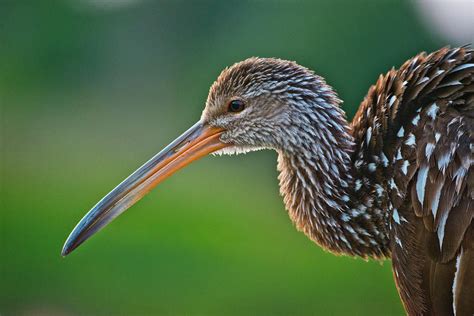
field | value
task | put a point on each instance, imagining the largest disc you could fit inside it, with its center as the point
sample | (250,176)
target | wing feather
(425,124)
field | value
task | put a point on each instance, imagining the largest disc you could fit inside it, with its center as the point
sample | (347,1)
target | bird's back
(415,134)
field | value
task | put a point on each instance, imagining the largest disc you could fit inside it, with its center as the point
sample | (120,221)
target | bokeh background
(90,89)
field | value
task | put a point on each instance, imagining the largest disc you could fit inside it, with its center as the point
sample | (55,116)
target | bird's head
(261,103)
(257,103)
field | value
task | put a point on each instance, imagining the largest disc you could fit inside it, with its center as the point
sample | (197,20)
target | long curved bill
(193,144)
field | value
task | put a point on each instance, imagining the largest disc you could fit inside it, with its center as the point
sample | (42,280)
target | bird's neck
(324,199)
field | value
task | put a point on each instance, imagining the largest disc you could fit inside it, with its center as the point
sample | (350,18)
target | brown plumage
(395,183)
(432,102)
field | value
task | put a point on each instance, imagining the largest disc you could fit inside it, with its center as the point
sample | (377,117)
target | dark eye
(236,106)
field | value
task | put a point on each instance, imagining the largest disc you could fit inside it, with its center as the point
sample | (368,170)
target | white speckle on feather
(368,135)
(392,184)
(384,159)
(345,217)
(441,228)
(395,216)
(429,150)
(372,167)
(415,120)
(421,183)
(379,189)
(350,229)
(344,239)
(391,101)
(462,67)
(437,136)
(399,242)
(404,166)
(443,161)
(459,177)
(411,140)
(435,201)
(451,83)
(401,132)
(456,278)
(358,184)
(355,212)
(432,110)
(331,203)
(399,154)
(423,80)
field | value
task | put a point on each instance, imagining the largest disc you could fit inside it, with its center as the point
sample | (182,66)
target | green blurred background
(91,89)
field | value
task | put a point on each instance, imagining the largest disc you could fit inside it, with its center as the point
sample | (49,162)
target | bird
(396,182)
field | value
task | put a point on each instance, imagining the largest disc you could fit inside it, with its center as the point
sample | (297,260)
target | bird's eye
(236,106)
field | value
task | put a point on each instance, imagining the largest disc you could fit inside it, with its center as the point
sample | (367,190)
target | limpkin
(397,182)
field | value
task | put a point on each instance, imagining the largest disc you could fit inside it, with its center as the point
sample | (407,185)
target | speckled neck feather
(318,181)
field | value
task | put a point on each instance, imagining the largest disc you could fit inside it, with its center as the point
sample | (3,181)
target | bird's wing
(425,123)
